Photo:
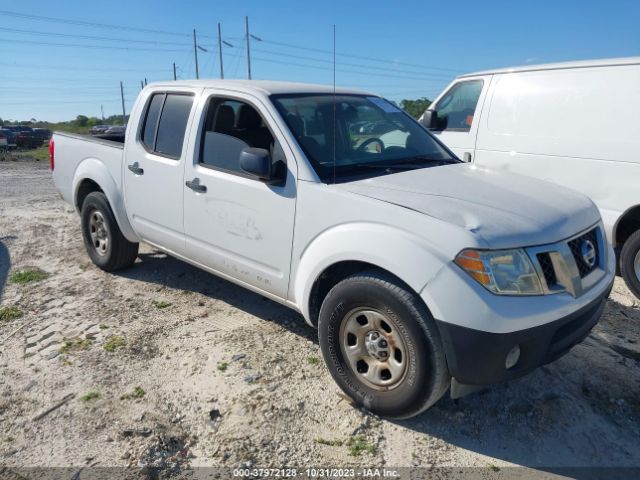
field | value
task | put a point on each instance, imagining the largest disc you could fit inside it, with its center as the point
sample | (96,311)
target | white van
(576,124)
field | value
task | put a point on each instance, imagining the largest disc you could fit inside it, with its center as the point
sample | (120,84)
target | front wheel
(630,263)
(382,346)
(105,244)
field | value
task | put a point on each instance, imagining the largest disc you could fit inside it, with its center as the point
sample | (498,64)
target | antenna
(334,103)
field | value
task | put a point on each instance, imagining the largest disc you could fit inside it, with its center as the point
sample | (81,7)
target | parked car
(42,133)
(575,124)
(25,137)
(421,273)
(99,129)
(3,142)
(11,137)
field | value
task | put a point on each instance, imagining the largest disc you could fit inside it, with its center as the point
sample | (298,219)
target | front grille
(576,246)
(544,259)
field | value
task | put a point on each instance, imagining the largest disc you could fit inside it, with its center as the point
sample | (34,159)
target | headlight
(503,272)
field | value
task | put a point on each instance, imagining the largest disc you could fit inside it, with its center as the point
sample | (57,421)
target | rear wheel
(630,263)
(382,346)
(105,244)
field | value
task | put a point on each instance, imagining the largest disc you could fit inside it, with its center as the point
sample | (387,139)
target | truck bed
(100,156)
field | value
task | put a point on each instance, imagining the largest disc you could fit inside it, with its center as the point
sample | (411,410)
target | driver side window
(457,108)
(230,126)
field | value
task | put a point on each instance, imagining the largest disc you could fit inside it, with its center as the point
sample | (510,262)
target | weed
(331,443)
(311,360)
(222,366)
(138,392)
(28,276)
(90,395)
(114,342)
(358,445)
(161,304)
(10,313)
(75,344)
(493,467)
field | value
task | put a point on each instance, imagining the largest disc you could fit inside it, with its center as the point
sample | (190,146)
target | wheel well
(86,187)
(333,275)
(628,223)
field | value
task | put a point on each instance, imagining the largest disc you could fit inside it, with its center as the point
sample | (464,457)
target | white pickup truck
(420,272)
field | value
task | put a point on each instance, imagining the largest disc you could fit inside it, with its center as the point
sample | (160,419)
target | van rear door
(458,110)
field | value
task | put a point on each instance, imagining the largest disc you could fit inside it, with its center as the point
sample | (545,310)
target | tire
(630,263)
(410,328)
(105,244)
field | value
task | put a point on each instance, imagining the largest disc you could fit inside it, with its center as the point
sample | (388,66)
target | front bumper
(477,357)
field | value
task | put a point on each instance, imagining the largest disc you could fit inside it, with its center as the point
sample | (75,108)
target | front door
(459,114)
(154,169)
(234,223)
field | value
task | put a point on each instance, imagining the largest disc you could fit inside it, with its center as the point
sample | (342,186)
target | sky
(62,59)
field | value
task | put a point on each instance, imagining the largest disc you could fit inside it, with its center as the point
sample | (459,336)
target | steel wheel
(374,348)
(99,233)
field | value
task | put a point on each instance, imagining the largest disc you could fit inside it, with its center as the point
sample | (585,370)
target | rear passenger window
(457,108)
(230,126)
(151,122)
(166,123)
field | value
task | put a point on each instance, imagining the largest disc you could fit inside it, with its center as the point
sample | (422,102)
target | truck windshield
(345,136)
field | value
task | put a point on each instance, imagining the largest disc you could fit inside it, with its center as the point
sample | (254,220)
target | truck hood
(505,210)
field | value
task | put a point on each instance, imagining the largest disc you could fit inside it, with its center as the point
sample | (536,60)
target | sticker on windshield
(385,105)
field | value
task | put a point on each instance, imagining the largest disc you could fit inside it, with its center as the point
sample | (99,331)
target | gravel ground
(165,365)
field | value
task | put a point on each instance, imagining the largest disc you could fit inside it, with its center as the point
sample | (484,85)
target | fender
(93,169)
(414,260)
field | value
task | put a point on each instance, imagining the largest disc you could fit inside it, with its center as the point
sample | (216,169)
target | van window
(230,126)
(457,108)
(173,124)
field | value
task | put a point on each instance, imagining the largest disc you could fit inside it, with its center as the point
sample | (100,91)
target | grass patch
(10,313)
(90,395)
(222,366)
(75,344)
(313,360)
(331,443)
(28,276)
(160,304)
(138,392)
(358,445)
(493,468)
(114,342)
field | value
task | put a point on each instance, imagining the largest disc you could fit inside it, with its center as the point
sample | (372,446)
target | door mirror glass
(257,163)
(429,119)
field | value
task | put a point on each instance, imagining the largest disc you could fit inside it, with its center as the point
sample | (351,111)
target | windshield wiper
(418,162)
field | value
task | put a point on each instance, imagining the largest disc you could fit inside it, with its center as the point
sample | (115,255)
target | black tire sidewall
(97,201)
(627,257)
(423,381)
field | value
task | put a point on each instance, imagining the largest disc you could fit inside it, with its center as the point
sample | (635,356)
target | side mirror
(429,119)
(257,163)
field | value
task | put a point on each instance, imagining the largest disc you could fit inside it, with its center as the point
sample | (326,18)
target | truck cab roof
(265,87)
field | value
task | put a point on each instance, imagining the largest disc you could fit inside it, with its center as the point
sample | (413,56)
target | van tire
(629,267)
(105,244)
(382,297)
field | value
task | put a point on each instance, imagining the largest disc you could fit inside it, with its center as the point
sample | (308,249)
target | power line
(361,57)
(77,45)
(87,69)
(84,23)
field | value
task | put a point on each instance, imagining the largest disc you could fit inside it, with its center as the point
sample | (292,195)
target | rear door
(154,169)
(459,115)
(236,224)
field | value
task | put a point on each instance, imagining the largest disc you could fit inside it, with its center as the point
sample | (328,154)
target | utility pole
(141,85)
(145,81)
(195,51)
(102,112)
(124,115)
(174,71)
(220,50)
(246,24)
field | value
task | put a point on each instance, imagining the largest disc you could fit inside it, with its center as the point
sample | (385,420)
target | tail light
(52,162)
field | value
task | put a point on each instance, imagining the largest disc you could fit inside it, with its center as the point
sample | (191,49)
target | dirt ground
(165,365)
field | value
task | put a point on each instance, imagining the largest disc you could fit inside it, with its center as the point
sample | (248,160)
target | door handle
(135,168)
(195,185)
(466,157)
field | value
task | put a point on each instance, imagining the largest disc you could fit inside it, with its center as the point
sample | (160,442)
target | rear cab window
(457,107)
(165,123)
